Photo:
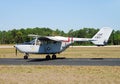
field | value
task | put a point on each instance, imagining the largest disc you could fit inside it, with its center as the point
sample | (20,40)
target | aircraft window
(43,42)
(47,42)
(38,42)
(30,43)
(55,42)
(51,42)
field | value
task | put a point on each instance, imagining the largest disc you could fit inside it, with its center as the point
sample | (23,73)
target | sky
(59,14)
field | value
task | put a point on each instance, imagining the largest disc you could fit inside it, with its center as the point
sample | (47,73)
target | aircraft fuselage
(50,47)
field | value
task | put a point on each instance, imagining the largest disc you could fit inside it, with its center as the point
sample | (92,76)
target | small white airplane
(57,44)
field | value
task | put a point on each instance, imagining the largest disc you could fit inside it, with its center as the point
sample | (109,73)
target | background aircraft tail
(102,36)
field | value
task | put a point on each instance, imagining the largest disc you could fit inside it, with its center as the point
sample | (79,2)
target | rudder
(102,36)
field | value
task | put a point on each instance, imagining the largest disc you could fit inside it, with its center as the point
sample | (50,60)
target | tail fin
(101,38)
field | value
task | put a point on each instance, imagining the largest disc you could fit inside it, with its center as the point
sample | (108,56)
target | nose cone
(21,48)
(14,46)
(17,47)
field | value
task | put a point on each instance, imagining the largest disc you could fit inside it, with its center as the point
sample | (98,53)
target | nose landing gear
(26,56)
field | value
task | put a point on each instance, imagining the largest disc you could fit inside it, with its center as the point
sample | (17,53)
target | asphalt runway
(62,61)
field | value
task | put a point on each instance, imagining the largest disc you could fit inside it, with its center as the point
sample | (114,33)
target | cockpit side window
(38,42)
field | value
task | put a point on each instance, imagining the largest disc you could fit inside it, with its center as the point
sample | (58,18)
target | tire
(54,56)
(25,57)
(48,57)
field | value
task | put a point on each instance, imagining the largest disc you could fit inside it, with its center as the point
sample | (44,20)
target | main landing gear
(26,56)
(48,57)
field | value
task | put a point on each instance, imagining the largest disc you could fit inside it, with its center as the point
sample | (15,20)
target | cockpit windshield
(30,43)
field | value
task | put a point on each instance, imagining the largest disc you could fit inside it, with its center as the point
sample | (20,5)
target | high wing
(60,38)
(64,39)
(54,38)
(48,38)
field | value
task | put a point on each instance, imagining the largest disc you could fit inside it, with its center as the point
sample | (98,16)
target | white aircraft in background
(57,44)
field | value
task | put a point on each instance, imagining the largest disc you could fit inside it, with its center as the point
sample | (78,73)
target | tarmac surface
(62,61)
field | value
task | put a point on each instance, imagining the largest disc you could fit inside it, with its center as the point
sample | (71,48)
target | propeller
(15,50)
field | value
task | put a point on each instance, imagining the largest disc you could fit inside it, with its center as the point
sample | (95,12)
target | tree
(19,37)
(70,33)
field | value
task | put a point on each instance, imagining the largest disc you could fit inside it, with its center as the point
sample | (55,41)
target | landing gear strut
(26,56)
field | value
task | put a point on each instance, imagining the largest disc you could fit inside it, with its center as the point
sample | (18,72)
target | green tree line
(21,35)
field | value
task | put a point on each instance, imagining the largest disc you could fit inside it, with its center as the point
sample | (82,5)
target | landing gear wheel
(48,57)
(53,56)
(25,57)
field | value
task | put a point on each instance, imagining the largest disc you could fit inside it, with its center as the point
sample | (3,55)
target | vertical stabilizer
(101,38)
